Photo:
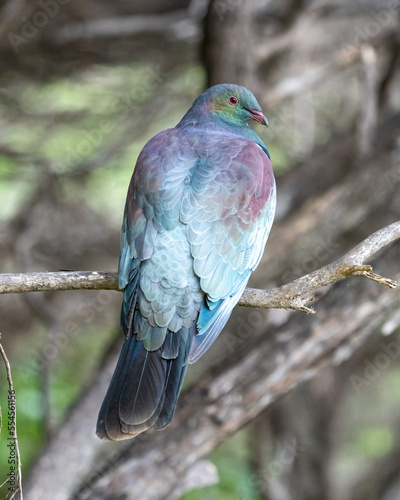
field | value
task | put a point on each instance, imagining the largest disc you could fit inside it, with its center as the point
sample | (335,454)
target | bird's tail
(145,386)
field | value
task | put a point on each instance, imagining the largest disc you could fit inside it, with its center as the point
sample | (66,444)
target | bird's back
(199,209)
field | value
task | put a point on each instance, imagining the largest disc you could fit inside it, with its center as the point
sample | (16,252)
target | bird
(198,213)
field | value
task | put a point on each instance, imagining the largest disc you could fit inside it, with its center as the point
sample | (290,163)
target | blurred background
(83,86)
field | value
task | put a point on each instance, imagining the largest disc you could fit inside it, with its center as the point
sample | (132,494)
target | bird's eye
(233,100)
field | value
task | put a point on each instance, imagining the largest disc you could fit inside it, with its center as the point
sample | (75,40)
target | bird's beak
(258,117)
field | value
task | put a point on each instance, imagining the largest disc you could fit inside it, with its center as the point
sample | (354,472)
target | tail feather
(108,422)
(170,348)
(176,375)
(145,387)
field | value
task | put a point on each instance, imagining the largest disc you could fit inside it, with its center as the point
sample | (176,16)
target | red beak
(258,117)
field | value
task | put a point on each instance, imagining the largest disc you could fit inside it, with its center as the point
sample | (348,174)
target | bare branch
(293,295)
(11,394)
(57,281)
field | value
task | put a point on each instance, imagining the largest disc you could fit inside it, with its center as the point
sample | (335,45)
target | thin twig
(15,437)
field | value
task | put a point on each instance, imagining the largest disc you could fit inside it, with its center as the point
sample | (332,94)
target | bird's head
(233,104)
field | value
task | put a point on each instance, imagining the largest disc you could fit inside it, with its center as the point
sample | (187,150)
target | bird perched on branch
(199,209)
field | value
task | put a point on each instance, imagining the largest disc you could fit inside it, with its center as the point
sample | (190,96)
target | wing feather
(229,209)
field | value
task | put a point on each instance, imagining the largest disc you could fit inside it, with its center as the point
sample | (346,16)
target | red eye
(232,100)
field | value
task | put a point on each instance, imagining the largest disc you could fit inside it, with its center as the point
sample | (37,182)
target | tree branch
(58,281)
(293,295)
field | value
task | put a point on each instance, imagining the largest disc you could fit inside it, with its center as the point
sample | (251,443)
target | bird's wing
(229,208)
(152,364)
(152,207)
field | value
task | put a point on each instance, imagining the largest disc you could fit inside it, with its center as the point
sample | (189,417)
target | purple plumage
(199,210)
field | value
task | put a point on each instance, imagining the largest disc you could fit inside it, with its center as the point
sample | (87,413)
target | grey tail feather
(175,376)
(145,386)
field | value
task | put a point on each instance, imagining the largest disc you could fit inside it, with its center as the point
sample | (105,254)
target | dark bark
(228,43)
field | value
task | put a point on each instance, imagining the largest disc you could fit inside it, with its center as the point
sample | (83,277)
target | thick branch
(293,295)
